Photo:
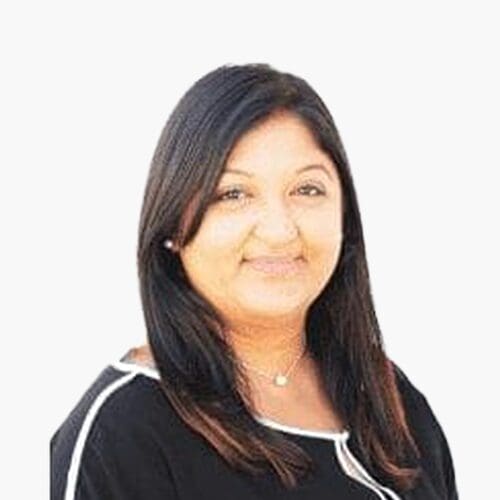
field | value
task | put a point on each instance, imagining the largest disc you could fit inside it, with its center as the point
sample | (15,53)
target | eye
(236,194)
(311,188)
(229,195)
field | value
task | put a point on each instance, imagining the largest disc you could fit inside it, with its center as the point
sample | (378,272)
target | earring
(169,244)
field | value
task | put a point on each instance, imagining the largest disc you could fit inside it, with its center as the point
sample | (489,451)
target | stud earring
(169,244)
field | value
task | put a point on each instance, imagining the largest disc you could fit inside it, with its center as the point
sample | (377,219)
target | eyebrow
(317,166)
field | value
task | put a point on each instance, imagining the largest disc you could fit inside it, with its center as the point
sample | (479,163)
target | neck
(268,348)
(271,349)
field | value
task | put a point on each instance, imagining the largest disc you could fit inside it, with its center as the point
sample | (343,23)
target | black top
(123,440)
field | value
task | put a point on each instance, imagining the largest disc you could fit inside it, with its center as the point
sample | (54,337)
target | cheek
(322,228)
(217,245)
(224,236)
(323,243)
(203,265)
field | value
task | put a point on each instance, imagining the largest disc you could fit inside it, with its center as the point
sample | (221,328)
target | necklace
(280,379)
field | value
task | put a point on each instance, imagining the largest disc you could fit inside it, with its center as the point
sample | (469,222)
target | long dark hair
(196,363)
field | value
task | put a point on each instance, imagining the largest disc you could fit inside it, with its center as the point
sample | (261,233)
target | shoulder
(428,433)
(417,407)
(413,399)
(111,433)
(120,397)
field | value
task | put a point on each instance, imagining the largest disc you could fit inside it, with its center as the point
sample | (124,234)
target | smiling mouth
(278,266)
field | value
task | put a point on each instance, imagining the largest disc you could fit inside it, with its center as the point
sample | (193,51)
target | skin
(274,210)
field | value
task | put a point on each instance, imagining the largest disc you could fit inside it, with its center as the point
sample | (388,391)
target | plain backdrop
(86,90)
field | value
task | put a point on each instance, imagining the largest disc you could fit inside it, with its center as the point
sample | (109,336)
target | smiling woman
(271,250)
(264,373)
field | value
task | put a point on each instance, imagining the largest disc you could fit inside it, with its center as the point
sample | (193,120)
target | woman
(264,374)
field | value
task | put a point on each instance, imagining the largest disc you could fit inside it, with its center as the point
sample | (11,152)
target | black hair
(196,363)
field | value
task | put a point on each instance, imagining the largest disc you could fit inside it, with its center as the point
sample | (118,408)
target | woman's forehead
(282,143)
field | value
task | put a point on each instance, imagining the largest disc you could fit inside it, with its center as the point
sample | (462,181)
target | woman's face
(270,240)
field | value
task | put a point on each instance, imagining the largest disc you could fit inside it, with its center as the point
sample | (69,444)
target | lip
(277,265)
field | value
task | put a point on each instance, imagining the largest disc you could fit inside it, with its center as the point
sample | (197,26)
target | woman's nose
(276,224)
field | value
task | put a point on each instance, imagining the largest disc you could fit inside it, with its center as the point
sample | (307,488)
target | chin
(272,304)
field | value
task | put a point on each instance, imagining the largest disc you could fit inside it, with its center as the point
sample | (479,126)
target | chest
(306,404)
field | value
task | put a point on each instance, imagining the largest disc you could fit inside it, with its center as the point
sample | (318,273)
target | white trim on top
(127,367)
(348,462)
(364,477)
(330,435)
(74,467)
(130,367)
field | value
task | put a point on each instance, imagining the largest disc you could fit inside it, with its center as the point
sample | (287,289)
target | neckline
(131,367)
(301,431)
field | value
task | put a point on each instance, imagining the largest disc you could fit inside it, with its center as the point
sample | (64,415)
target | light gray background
(87,88)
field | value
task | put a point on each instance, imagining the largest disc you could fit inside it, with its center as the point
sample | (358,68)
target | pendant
(281,380)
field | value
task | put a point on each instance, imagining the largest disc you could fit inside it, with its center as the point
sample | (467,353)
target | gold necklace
(280,379)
